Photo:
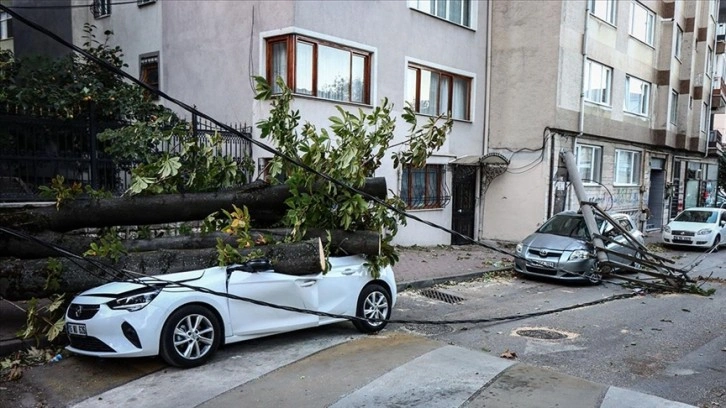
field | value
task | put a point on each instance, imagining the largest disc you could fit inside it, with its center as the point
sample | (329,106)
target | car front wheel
(374,302)
(190,336)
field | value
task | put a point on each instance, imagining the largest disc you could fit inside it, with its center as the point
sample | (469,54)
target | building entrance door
(463,203)
(656,199)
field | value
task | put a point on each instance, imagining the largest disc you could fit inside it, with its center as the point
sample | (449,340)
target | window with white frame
(673,114)
(589,163)
(627,167)
(423,187)
(598,80)
(101,8)
(642,23)
(434,92)
(603,9)
(637,95)
(679,42)
(6,26)
(456,11)
(319,68)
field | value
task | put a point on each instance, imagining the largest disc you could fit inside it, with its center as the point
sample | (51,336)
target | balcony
(718,95)
(715,143)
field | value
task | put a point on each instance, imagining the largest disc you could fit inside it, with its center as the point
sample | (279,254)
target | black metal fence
(36,146)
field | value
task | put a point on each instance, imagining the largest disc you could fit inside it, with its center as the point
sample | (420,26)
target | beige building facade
(626,86)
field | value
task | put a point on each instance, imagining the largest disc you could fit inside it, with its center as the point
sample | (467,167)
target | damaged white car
(183,318)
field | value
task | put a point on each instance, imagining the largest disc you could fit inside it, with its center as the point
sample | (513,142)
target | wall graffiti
(619,198)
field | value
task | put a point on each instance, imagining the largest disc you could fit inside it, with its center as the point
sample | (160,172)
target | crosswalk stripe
(195,386)
(444,377)
(323,378)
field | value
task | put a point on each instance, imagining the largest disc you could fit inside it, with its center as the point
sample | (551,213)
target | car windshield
(568,225)
(703,216)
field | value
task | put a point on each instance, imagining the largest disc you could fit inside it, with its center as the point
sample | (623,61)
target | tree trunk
(266,205)
(24,279)
(342,242)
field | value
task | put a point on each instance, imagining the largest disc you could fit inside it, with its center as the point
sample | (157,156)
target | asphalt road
(672,345)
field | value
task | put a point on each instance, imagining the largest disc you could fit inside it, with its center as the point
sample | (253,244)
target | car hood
(117,288)
(690,226)
(553,242)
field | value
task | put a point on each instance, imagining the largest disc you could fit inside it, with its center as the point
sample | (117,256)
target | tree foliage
(351,149)
(70,85)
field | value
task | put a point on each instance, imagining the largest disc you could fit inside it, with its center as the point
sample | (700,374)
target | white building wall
(210,50)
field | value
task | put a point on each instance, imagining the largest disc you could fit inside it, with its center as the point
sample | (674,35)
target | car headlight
(134,302)
(518,248)
(579,254)
(667,229)
(704,231)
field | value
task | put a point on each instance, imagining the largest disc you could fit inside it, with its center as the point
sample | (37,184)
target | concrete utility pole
(585,206)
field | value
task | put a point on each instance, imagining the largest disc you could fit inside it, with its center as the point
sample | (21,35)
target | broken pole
(586,208)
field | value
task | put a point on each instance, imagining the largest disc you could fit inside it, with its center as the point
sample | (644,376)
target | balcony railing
(715,143)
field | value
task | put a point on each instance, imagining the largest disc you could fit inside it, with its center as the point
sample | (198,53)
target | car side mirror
(723,222)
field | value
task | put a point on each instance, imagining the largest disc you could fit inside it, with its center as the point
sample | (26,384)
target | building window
(589,159)
(144,2)
(320,69)
(627,167)
(704,117)
(434,92)
(456,11)
(598,79)
(637,96)
(642,23)
(603,9)
(423,187)
(709,62)
(149,73)
(6,26)
(101,8)
(679,42)
(674,107)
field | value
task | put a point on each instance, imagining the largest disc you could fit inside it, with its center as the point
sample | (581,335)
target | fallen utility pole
(587,213)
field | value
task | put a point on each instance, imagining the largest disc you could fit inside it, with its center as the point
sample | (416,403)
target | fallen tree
(265,202)
(340,243)
(22,279)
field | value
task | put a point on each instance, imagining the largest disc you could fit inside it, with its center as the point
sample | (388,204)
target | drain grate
(444,297)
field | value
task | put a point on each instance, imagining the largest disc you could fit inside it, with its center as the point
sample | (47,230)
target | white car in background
(697,227)
(171,317)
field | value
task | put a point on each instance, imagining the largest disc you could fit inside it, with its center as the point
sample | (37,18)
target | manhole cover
(544,334)
(444,297)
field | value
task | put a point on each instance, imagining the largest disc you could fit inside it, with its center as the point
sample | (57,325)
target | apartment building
(625,86)
(347,53)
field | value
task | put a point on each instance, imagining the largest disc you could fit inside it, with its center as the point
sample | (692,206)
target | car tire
(374,301)
(716,243)
(190,336)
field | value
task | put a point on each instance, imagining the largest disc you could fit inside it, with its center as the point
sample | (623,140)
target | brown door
(464,203)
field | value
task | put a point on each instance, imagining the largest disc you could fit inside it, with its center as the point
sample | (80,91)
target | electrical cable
(121,273)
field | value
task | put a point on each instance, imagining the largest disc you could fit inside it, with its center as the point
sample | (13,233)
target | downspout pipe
(487,110)
(585,49)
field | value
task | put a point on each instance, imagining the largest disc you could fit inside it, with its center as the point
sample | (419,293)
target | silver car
(562,248)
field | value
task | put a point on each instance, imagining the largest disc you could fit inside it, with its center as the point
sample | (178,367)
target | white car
(697,227)
(185,326)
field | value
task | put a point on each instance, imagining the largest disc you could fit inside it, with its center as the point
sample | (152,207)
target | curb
(427,283)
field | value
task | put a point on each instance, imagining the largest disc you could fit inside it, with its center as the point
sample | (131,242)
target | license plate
(76,329)
(678,238)
(546,264)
